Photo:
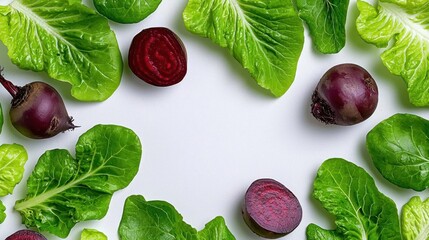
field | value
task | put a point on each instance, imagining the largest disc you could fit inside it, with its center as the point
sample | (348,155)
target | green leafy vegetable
(399,148)
(1,118)
(62,190)
(216,229)
(326,20)
(143,219)
(404,22)
(315,232)
(2,213)
(92,234)
(361,211)
(266,37)
(12,160)
(126,11)
(72,43)
(415,219)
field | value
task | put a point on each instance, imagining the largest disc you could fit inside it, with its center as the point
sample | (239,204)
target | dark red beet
(158,57)
(345,95)
(37,110)
(26,235)
(270,209)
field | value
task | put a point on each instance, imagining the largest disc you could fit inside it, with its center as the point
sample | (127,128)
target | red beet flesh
(158,57)
(26,235)
(345,95)
(37,110)
(270,209)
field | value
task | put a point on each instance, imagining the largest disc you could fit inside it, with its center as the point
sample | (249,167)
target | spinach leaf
(72,43)
(12,160)
(402,28)
(62,190)
(361,211)
(2,212)
(399,148)
(265,37)
(143,219)
(415,219)
(92,234)
(126,11)
(326,20)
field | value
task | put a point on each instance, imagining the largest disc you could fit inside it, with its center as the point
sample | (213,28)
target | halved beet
(26,235)
(158,57)
(270,209)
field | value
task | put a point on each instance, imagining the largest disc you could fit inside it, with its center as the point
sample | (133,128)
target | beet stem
(12,89)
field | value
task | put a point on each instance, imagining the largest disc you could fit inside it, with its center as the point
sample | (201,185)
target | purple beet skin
(345,95)
(158,57)
(270,209)
(37,110)
(26,235)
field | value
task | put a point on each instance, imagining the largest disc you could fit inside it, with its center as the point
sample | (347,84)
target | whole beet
(37,110)
(345,95)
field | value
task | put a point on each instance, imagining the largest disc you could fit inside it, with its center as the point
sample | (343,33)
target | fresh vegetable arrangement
(203,145)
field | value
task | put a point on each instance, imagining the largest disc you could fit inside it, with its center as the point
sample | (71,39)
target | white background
(208,138)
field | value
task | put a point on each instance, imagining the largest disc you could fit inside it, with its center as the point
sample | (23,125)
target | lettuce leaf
(92,234)
(399,148)
(266,37)
(72,43)
(326,21)
(62,190)
(350,194)
(157,219)
(1,118)
(126,11)
(403,28)
(2,212)
(12,160)
(415,219)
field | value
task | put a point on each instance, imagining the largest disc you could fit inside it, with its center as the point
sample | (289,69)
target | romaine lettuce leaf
(126,11)
(72,43)
(326,21)
(92,234)
(399,149)
(62,190)
(403,28)
(266,37)
(12,160)
(157,219)
(415,219)
(350,194)
(2,212)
